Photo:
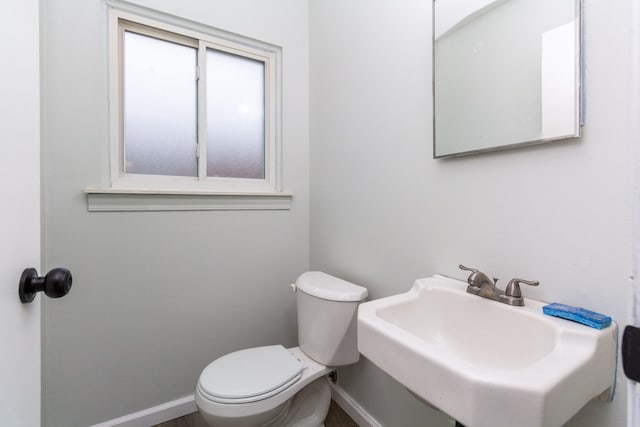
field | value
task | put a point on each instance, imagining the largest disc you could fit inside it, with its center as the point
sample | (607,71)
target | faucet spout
(487,289)
(480,284)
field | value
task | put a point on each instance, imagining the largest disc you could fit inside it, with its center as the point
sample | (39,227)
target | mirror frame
(579,84)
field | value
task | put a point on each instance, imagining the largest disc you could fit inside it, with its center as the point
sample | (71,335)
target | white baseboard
(352,408)
(186,405)
(156,415)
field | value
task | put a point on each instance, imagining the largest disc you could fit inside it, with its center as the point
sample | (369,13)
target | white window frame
(119,21)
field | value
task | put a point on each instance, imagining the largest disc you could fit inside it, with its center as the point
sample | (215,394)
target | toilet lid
(250,375)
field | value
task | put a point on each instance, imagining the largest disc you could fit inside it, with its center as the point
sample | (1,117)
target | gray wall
(384,213)
(157,295)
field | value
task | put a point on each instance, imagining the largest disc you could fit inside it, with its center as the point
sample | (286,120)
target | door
(19,212)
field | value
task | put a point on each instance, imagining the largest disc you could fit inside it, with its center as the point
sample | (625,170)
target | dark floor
(191,420)
(336,418)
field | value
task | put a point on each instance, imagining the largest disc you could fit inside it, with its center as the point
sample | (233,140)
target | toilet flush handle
(294,287)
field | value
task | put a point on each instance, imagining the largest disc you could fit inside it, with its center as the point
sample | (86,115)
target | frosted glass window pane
(235,116)
(160,104)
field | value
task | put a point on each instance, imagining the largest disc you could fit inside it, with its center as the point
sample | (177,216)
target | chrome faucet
(480,284)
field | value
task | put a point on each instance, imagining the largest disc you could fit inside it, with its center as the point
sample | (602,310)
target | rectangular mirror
(506,73)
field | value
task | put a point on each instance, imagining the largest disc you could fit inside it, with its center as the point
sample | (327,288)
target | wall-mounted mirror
(506,73)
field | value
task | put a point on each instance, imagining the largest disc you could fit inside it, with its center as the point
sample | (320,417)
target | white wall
(20,213)
(158,295)
(384,213)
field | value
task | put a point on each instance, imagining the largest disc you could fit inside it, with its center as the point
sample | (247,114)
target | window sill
(122,200)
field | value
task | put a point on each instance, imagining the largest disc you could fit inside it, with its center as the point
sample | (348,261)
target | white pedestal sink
(485,363)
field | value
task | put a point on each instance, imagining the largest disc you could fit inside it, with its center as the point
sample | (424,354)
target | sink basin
(483,362)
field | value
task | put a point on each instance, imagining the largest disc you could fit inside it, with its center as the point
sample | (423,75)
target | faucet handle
(473,277)
(513,287)
(473,270)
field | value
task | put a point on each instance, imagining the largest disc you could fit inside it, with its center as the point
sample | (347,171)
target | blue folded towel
(577,314)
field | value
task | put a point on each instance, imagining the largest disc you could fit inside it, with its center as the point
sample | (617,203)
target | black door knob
(55,284)
(630,352)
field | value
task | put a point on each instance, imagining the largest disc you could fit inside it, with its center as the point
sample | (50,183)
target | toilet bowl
(265,395)
(275,386)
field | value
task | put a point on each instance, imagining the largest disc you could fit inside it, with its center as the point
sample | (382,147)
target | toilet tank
(327,318)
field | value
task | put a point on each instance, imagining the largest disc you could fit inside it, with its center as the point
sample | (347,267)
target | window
(190,110)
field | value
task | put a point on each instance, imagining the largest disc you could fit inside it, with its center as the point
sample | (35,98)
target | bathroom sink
(483,362)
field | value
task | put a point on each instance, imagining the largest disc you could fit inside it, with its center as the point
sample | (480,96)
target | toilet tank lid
(325,286)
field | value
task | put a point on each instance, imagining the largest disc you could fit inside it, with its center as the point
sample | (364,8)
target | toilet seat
(250,375)
(224,412)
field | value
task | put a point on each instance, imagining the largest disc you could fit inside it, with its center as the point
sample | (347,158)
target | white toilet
(274,386)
